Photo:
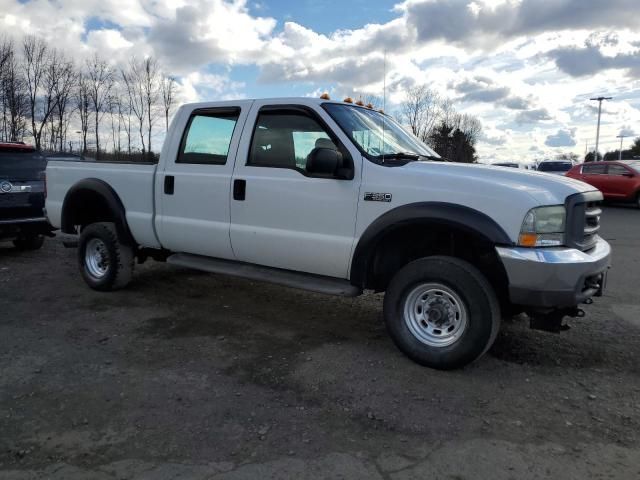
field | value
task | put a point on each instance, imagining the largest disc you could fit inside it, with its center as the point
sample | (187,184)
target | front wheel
(105,263)
(441,312)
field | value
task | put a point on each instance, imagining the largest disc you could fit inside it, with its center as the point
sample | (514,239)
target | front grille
(583,220)
(592,214)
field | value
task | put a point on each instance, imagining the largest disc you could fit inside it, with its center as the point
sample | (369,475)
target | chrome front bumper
(555,277)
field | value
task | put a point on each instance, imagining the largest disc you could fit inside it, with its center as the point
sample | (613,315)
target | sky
(525,68)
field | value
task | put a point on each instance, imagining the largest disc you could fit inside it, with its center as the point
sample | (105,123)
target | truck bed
(133,182)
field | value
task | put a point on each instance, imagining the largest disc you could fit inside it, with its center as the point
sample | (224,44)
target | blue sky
(327,16)
(525,68)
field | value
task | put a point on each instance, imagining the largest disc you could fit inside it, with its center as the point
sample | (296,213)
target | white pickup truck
(338,198)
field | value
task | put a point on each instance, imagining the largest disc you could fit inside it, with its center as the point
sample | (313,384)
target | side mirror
(627,174)
(324,161)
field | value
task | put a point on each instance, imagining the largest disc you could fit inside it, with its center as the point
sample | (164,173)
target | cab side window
(287,139)
(208,137)
(594,169)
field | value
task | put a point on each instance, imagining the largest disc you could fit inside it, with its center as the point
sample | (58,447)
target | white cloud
(562,138)
(525,67)
(490,22)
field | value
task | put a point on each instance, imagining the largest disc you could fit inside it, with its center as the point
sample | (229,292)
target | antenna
(384,82)
(384,97)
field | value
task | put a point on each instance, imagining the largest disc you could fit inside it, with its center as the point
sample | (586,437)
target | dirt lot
(190,375)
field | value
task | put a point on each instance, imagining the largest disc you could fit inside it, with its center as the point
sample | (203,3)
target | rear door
(194,187)
(282,215)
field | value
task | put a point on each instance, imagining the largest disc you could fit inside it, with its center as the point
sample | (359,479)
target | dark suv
(22,194)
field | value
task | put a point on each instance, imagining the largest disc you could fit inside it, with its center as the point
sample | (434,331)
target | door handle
(169,184)
(239,190)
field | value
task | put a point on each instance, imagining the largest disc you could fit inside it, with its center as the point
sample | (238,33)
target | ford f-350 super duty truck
(338,198)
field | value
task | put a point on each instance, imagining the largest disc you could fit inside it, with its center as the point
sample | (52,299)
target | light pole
(599,99)
(621,137)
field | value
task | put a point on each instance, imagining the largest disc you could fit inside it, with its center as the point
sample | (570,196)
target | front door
(282,213)
(594,173)
(193,191)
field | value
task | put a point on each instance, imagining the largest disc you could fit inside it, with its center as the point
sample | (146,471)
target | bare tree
(100,81)
(6,53)
(40,84)
(133,86)
(470,126)
(6,50)
(168,89)
(83,106)
(116,121)
(150,79)
(66,79)
(125,112)
(420,110)
(370,100)
(13,96)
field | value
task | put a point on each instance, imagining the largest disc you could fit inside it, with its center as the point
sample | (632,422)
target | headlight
(543,227)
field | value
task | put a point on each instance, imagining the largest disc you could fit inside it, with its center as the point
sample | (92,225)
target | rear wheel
(105,263)
(29,242)
(638,200)
(441,312)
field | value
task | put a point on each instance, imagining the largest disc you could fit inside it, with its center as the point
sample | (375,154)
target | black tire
(29,242)
(638,200)
(116,259)
(480,303)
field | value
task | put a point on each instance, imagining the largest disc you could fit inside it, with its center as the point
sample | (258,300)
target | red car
(616,180)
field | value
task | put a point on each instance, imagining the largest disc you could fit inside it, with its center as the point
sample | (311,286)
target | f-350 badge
(377,197)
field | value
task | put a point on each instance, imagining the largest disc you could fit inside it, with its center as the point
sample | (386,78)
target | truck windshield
(378,135)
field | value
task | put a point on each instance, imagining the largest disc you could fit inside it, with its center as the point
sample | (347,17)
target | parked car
(506,164)
(618,180)
(22,194)
(556,167)
(336,198)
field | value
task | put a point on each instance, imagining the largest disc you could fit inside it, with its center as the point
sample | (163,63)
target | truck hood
(546,189)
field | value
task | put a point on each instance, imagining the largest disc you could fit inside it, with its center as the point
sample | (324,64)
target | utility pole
(599,100)
(621,137)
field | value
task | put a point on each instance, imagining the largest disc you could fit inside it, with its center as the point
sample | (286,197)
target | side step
(303,281)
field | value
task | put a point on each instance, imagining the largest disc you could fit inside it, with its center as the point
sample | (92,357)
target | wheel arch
(93,200)
(396,227)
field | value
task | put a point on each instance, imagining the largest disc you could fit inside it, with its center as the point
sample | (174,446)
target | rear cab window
(207,138)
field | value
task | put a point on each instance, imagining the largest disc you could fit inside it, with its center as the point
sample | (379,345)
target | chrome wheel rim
(96,258)
(435,314)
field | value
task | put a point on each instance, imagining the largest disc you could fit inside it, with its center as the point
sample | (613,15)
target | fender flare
(111,199)
(442,213)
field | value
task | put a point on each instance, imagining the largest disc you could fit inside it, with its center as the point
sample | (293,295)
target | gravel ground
(191,375)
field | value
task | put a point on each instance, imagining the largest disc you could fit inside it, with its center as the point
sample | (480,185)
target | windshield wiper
(410,156)
(398,155)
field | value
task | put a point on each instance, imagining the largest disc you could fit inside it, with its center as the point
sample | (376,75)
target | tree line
(434,120)
(627,154)
(43,94)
